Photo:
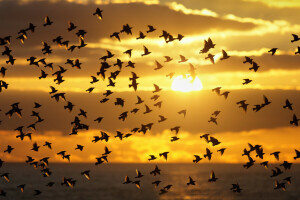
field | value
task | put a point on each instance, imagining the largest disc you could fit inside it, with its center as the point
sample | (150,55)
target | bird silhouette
(197,159)
(294,121)
(182,59)
(141,35)
(212,177)
(191,181)
(165,155)
(295,38)
(288,104)
(86,174)
(225,56)
(48,22)
(98,13)
(146,51)
(273,51)
(247,81)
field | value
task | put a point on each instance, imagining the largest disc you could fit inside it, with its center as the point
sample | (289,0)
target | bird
(48,22)
(211,58)
(182,59)
(164,154)
(248,60)
(183,112)
(276,154)
(294,121)
(217,90)
(279,185)
(266,101)
(297,154)
(138,174)
(208,154)
(146,51)
(247,81)
(155,171)
(225,94)
(191,181)
(225,56)
(129,52)
(273,51)
(141,35)
(150,29)
(86,174)
(98,13)
(5,176)
(222,150)
(214,120)
(22,186)
(158,65)
(71,26)
(168,59)
(212,177)
(9,149)
(79,147)
(157,88)
(197,159)
(116,35)
(152,157)
(288,104)
(295,38)
(254,66)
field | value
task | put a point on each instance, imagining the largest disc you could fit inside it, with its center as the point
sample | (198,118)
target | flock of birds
(77,125)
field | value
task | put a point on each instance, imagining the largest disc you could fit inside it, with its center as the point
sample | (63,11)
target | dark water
(106,182)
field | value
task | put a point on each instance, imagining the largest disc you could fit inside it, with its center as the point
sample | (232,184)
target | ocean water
(106,182)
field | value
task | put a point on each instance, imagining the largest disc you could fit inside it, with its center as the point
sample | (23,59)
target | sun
(186,84)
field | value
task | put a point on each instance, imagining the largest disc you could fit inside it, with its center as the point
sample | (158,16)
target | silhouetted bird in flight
(294,121)
(236,188)
(296,38)
(141,35)
(164,154)
(273,51)
(48,22)
(152,157)
(211,58)
(212,177)
(247,81)
(217,90)
(276,154)
(297,154)
(191,181)
(158,65)
(248,60)
(298,50)
(182,59)
(225,56)
(254,66)
(151,29)
(279,185)
(197,159)
(98,13)
(168,58)
(86,174)
(126,29)
(146,51)
(288,104)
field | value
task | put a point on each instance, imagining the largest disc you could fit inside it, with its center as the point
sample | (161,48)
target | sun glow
(186,84)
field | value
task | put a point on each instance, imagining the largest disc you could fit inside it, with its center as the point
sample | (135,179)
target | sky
(240,27)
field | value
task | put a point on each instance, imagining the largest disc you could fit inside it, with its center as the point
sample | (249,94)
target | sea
(106,182)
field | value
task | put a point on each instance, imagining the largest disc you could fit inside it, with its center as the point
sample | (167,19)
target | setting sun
(186,84)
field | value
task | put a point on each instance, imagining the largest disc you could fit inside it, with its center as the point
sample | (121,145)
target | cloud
(180,7)
(137,148)
(278,3)
(200,105)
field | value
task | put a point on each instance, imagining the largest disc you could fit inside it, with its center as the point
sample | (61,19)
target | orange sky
(238,31)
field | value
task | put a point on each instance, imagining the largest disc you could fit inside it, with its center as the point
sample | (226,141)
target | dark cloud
(199,107)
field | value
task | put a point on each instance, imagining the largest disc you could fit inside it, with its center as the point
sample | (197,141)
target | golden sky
(240,27)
